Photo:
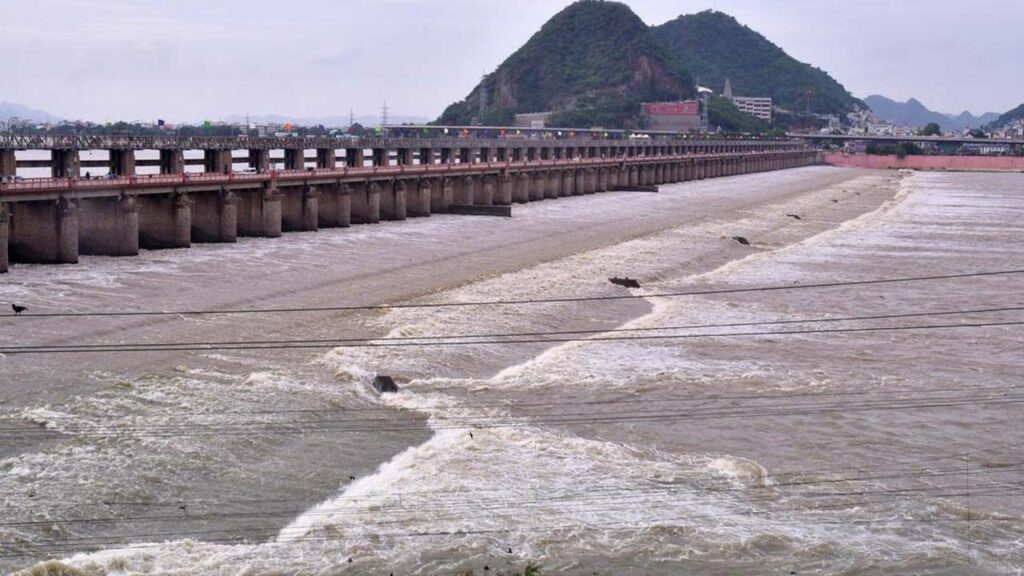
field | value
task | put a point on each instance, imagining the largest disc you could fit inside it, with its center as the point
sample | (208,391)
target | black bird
(351,478)
(18,309)
(795,216)
(625,282)
(509,550)
(834,201)
(183,508)
(470,434)
(487,568)
(349,560)
(741,240)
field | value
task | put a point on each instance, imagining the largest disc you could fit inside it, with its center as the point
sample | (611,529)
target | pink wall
(1014,163)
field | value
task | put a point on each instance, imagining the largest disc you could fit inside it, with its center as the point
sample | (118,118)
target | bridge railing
(141,181)
(174,142)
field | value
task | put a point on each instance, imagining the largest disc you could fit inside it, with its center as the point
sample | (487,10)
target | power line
(520,301)
(370,343)
(336,341)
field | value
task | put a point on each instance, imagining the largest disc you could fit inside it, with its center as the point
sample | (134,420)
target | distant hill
(1009,117)
(10,110)
(713,46)
(594,63)
(914,113)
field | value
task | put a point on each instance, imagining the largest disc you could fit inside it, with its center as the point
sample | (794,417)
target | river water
(715,451)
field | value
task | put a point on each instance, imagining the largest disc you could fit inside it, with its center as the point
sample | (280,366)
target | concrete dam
(323,183)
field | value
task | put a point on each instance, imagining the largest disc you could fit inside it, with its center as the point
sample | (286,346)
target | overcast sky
(206,59)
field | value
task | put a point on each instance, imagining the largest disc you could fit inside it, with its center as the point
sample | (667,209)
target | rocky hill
(594,63)
(713,46)
(1008,118)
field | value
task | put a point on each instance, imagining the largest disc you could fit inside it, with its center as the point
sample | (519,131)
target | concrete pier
(65,164)
(568,187)
(354,157)
(165,221)
(465,191)
(217,161)
(552,183)
(503,190)
(122,162)
(441,194)
(259,212)
(393,200)
(334,207)
(300,210)
(538,182)
(326,158)
(109,226)
(44,232)
(214,217)
(417,199)
(521,188)
(8,163)
(172,162)
(365,203)
(260,160)
(485,191)
(5,235)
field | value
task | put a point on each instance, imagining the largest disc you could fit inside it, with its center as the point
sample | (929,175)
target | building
(757,106)
(532,120)
(673,116)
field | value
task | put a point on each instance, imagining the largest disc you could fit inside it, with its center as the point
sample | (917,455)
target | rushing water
(886,451)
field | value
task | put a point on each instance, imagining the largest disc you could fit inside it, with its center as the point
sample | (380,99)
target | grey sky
(205,59)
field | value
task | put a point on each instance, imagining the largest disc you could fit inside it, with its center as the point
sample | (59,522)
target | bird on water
(741,240)
(18,309)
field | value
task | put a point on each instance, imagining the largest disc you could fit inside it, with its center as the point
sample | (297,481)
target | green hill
(1008,118)
(593,63)
(713,46)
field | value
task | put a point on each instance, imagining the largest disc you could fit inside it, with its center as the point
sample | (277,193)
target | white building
(758,106)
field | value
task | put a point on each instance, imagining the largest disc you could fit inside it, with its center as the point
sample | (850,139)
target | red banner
(687,108)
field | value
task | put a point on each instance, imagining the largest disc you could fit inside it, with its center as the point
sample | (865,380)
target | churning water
(814,447)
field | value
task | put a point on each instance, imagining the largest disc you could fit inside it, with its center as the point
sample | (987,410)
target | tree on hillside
(978,133)
(931,129)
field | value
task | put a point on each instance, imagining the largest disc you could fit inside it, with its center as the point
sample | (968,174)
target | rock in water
(627,282)
(385,384)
